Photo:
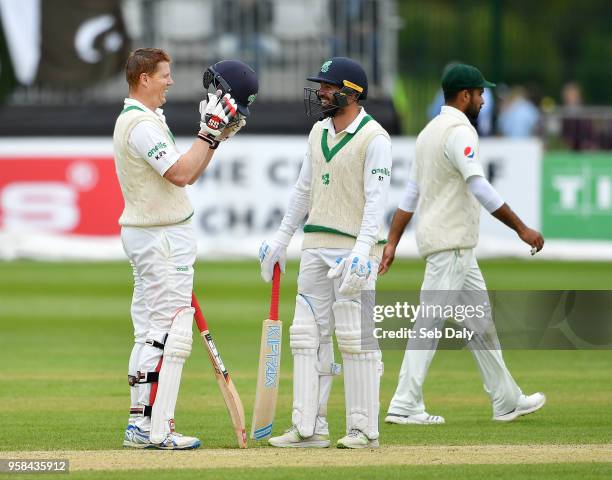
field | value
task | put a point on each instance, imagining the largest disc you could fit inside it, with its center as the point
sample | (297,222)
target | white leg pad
(304,342)
(362,371)
(176,351)
(327,368)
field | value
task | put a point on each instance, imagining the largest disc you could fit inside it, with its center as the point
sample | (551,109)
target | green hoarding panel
(577,196)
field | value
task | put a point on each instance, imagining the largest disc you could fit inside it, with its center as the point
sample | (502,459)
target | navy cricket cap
(461,76)
(236,78)
(343,72)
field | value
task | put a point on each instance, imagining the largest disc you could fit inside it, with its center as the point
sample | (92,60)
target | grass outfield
(65,337)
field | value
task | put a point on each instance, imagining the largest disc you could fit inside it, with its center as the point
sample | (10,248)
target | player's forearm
(404,213)
(410,199)
(296,210)
(505,215)
(188,168)
(401,219)
(299,201)
(202,161)
(373,215)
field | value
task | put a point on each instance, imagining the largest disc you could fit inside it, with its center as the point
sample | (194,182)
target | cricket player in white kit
(342,187)
(446,189)
(157,234)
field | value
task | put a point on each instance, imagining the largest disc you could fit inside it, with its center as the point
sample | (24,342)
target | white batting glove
(356,269)
(233,128)
(216,113)
(273,252)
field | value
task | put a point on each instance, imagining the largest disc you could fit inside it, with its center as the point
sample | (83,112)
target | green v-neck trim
(131,107)
(329,154)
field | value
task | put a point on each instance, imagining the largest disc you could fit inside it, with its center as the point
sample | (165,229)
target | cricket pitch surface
(272,457)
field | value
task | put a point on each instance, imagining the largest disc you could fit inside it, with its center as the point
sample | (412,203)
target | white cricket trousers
(321,293)
(453,270)
(162,259)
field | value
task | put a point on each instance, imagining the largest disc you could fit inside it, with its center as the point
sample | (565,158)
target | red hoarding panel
(76,195)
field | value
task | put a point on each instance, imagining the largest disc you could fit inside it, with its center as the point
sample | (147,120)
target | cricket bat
(269,367)
(228,390)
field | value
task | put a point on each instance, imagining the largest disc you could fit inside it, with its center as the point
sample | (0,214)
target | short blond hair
(143,60)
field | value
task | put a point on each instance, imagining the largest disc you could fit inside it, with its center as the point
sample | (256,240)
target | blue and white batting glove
(356,269)
(273,252)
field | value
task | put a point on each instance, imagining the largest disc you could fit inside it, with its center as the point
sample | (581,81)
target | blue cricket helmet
(236,78)
(343,72)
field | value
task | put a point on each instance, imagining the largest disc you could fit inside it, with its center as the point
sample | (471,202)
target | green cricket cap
(461,76)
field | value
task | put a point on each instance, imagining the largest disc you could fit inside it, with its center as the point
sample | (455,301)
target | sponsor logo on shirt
(156,149)
(160,155)
(468,152)
(381,171)
(325,178)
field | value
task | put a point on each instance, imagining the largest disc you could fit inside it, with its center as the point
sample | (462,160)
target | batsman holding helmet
(342,187)
(156,230)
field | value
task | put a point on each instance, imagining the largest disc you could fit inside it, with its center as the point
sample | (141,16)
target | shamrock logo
(325,66)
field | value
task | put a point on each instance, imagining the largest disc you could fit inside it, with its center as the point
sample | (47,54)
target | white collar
(136,103)
(455,112)
(328,124)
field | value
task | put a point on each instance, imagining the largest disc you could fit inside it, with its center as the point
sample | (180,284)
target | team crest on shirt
(468,152)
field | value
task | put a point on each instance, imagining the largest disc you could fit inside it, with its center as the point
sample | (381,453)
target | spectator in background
(576,129)
(484,123)
(572,96)
(518,116)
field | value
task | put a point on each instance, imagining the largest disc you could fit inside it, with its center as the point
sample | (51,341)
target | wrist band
(213,143)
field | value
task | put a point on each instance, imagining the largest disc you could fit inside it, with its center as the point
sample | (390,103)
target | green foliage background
(538,44)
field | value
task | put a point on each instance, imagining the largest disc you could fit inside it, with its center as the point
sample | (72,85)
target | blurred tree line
(540,44)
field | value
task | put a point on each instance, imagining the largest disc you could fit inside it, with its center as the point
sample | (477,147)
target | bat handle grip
(275,292)
(199,316)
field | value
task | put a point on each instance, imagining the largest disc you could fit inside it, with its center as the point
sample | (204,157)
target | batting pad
(325,366)
(362,371)
(304,342)
(176,352)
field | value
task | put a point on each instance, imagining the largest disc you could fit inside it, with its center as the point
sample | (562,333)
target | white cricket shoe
(176,441)
(357,439)
(418,419)
(136,438)
(526,404)
(292,439)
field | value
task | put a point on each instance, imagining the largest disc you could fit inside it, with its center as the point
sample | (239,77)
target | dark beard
(331,111)
(472,115)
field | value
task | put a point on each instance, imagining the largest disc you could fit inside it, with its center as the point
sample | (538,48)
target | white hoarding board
(241,198)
